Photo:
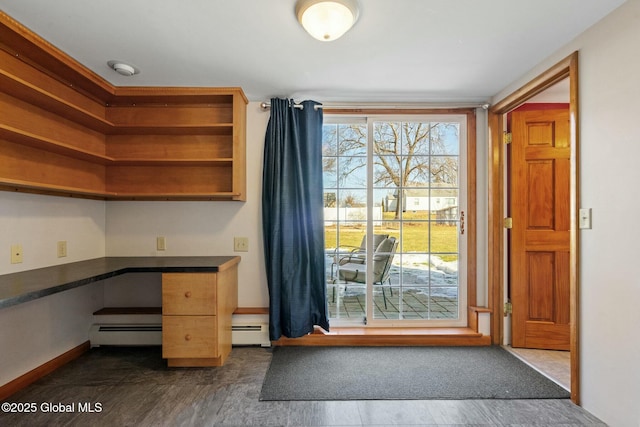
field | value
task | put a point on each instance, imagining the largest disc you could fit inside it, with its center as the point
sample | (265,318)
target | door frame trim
(567,67)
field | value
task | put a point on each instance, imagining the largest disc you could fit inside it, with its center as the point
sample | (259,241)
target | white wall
(37,331)
(609,85)
(202,228)
(38,222)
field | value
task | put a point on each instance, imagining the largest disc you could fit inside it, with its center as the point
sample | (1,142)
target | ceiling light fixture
(327,20)
(122,68)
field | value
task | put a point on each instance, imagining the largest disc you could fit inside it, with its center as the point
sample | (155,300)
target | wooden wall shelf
(91,139)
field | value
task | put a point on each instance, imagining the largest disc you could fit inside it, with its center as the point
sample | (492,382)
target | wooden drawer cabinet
(189,294)
(196,316)
(188,337)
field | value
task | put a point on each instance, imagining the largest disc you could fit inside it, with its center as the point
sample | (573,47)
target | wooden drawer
(189,337)
(189,293)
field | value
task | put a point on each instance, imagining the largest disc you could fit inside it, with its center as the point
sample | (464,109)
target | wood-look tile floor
(554,364)
(134,387)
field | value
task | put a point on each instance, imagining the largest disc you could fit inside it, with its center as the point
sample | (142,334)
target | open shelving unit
(66,131)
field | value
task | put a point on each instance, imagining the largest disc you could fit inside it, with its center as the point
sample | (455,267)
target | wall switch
(161,243)
(62,249)
(16,254)
(585,218)
(241,244)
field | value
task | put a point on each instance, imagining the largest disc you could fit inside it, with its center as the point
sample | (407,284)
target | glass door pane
(416,177)
(345,210)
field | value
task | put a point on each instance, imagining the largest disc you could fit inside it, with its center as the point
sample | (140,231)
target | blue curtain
(293,220)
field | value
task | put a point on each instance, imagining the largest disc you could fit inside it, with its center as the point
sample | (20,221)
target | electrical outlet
(16,254)
(161,243)
(241,244)
(62,249)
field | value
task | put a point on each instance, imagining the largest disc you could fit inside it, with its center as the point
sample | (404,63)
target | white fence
(351,216)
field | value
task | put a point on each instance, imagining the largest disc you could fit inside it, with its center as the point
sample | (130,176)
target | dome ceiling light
(327,20)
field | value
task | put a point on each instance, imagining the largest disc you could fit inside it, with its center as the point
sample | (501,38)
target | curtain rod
(484,106)
(267,105)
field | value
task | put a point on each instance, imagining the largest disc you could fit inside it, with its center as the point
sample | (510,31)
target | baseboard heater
(151,334)
(250,334)
(122,334)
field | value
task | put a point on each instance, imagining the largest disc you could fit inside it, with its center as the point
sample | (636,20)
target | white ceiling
(398,51)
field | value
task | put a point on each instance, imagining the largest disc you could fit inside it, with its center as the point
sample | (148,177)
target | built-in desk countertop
(16,288)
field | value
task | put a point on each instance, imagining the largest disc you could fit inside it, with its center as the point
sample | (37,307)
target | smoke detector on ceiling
(122,68)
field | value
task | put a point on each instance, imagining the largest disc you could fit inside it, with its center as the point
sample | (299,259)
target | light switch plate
(62,249)
(161,243)
(585,218)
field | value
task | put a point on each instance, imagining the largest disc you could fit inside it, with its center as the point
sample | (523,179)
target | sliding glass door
(394,219)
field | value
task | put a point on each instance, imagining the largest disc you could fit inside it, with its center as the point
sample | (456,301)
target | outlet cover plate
(241,244)
(16,254)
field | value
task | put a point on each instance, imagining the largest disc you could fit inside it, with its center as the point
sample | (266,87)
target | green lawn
(444,238)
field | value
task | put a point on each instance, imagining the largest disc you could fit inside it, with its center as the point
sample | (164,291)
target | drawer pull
(187,294)
(187,337)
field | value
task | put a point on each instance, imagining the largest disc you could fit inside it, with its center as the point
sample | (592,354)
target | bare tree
(352,201)
(406,154)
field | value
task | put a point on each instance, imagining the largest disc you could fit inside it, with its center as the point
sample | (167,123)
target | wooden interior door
(539,270)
